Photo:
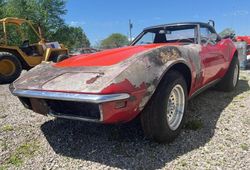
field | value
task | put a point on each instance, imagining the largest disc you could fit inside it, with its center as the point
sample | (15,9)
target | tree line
(46,16)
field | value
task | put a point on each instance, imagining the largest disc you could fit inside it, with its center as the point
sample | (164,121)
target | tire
(155,120)
(62,57)
(230,81)
(10,68)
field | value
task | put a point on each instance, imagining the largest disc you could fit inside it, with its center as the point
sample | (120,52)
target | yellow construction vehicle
(22,47)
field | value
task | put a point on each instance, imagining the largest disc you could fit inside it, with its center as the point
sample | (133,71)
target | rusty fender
(150,67)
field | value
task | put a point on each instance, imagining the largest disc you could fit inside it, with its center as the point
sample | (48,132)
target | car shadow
(124,146)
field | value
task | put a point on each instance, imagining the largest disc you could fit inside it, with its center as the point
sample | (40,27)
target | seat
(160,38)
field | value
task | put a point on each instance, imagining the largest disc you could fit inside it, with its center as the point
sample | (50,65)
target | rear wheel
(163,117)
(10,68)
(231,78)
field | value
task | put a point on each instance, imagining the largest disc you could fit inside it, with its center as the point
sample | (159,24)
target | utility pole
(130,30)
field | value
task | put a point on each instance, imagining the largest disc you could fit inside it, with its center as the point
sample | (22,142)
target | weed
(244,147)
(7,128)
(194,124)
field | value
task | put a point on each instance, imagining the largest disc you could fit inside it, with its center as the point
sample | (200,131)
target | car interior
(172,34)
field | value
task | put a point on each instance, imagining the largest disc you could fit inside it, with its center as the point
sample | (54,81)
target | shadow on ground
(123,146)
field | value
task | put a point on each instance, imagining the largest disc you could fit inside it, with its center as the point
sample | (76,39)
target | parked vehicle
(244,42)
(22,47)
(153,78)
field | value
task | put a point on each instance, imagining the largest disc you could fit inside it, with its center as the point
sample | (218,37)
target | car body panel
(133,70)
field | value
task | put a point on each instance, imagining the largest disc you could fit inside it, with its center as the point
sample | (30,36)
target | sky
(100,18)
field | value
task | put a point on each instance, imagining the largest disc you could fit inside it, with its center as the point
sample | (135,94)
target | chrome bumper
(89,98)
(62,96)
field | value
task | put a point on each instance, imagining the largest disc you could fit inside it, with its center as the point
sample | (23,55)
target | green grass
(4,145)
(26,150)
(3,167)
(7,128)
(244,147)
(3,116)
(194,124)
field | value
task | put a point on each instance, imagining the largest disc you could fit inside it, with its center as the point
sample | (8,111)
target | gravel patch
(216,136)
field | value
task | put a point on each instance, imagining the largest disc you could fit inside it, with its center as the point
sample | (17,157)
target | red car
(153,78)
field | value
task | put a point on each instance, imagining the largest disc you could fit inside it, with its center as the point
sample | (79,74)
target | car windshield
(169,34)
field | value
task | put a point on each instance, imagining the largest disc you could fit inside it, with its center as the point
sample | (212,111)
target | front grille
(64,108)
(74,109)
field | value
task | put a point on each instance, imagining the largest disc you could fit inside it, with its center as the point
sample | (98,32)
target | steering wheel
(204,40)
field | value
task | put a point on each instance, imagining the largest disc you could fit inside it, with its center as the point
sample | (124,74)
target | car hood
(106,57)
(85,73)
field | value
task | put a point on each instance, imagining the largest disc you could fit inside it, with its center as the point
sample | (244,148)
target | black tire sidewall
(155,113)
(16,74)
(162,107)
(234,63)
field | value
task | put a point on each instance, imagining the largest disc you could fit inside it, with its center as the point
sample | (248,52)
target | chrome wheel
(235,76)
(175,107)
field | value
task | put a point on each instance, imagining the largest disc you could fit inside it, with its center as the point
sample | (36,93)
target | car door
(212,56)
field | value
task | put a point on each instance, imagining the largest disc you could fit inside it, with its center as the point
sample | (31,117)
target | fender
(145,74)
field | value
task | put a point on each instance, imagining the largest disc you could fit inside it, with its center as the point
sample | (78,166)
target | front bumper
(90,98)
(85,107)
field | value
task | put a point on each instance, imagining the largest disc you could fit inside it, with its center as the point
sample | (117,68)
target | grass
(7,128)
(244,147)
(3,116)
(25,150)
(183,163)
(4,145)
(2,167)
(194,125)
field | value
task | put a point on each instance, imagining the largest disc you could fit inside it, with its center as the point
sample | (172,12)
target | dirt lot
(216,136)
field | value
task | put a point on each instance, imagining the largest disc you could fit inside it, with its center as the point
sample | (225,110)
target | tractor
(22,48)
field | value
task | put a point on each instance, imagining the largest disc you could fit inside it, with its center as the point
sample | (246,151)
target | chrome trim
(210,84)
(75,118)
(89,98)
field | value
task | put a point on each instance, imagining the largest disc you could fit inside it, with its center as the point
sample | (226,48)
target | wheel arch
(183,69)
(234,54)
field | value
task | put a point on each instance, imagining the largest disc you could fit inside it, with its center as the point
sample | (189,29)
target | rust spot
(92,80)
(170,54)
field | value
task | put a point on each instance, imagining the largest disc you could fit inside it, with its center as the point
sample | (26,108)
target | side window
(204,34)
(147,38)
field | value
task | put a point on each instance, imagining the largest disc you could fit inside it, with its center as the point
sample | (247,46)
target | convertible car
(153,79)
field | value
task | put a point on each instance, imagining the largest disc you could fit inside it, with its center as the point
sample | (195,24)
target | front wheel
(163,117)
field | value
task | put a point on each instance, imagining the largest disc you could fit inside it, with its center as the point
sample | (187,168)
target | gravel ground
(216,136)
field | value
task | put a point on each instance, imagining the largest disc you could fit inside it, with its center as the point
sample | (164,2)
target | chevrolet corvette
(153,78)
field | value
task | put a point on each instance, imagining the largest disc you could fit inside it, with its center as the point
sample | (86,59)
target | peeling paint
(142,72)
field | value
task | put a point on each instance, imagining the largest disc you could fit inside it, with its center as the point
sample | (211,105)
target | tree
(227,33)
(46,15)
(2,4)
(114,41)
(73,37)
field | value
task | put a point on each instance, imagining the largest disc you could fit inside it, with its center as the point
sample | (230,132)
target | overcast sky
(100,18)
